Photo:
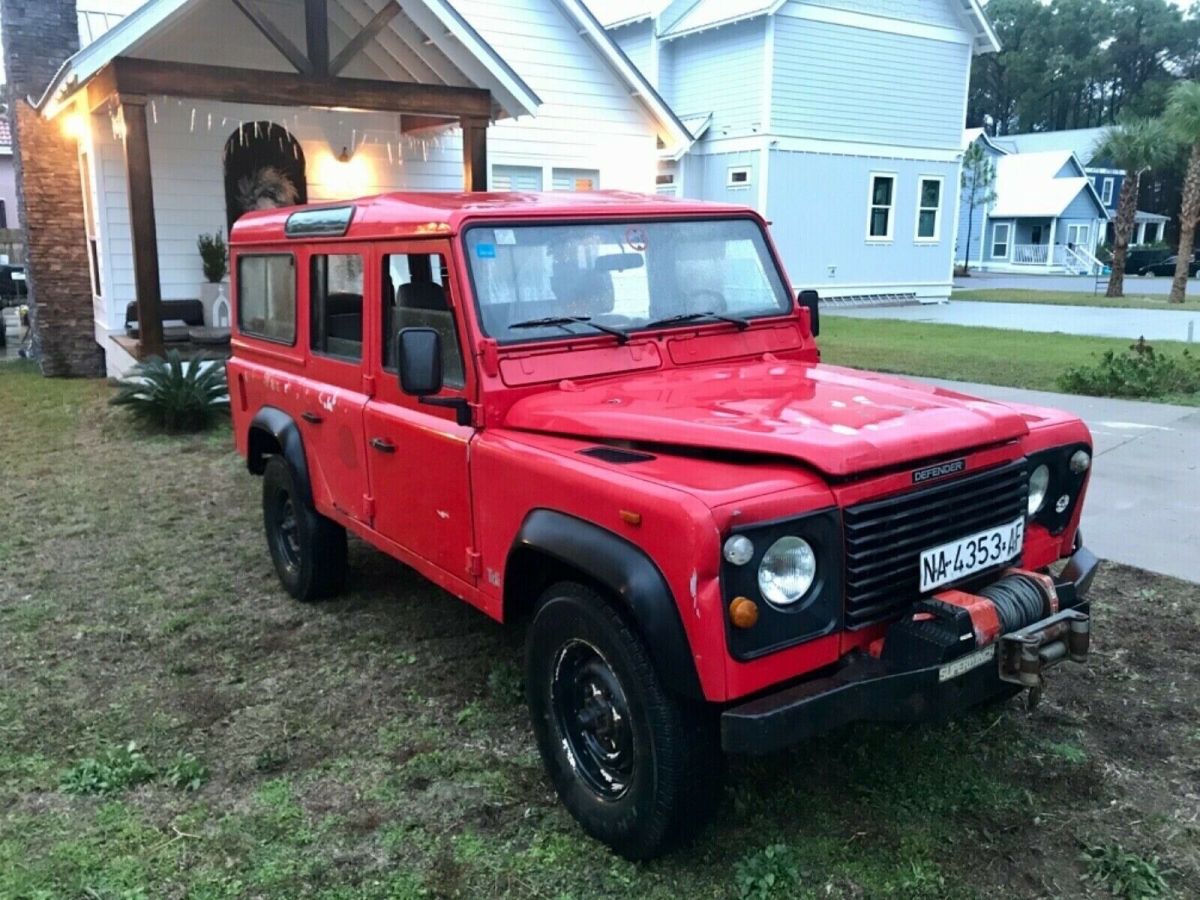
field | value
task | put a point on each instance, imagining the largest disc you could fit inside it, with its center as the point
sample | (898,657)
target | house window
(576,180)
(738,177)
(266,297)
(1000,240)
(517,178)
(665,184)
(929,208)
(335,288)
(1106,191)
(880,207)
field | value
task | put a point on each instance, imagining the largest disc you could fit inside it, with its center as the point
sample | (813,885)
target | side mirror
(419,361)
(810,301)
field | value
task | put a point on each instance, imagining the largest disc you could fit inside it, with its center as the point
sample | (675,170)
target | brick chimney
(38,36)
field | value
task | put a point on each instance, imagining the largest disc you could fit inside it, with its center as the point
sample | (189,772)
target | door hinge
(369,509)
(474,562)
(369,385)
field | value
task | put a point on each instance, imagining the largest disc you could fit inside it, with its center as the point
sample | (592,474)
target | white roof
(1083,142)
(616,13)
(1027,185)
(714,13)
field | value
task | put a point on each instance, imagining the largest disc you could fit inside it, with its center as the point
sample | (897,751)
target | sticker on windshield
(485,251)
(635,237)
(505,237)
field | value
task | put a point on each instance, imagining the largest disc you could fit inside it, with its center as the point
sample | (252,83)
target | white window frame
(1106,191)
(937,210)
(1007,242)
(739,170)
(891,208)
(1080,228)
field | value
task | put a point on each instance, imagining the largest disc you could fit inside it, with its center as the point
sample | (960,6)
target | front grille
(884,538)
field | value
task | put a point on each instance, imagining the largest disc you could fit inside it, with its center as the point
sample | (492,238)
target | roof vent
(617,455)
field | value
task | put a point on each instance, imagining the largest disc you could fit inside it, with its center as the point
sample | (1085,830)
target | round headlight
(739,550)
(1039,483)
(1080,460)
(787,571)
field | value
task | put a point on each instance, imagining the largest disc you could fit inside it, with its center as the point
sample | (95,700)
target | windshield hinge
(474,562)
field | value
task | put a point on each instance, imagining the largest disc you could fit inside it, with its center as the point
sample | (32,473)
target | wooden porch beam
(275,37)
(316,33)
(146,76)
(142,225)
(369,32)
(475,165)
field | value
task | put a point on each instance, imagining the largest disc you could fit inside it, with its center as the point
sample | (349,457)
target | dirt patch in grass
(377,746)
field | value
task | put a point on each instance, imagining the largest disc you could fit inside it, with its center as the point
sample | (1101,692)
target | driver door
(417,455)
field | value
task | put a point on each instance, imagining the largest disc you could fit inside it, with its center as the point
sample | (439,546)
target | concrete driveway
(1153,324)
(1143,503)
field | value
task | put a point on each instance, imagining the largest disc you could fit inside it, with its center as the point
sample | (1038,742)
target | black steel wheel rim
(287,531)
(592,715)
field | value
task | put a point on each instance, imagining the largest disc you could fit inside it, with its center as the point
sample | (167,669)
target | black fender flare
(283,428)
(630,575)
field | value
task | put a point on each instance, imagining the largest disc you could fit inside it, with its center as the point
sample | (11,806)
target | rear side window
(267,297)
(336,294)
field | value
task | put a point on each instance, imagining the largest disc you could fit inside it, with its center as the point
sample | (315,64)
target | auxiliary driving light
(739,550)
(1080,460)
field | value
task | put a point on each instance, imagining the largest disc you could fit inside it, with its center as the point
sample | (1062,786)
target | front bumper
(869,689)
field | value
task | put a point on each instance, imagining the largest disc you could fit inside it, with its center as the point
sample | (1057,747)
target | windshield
(537,281)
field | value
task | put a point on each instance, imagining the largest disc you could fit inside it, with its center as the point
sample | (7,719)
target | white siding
(637,41)
(928,12)
(839,82)
(720,71)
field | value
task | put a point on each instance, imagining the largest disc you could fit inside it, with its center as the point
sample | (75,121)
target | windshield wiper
(563,321)
(742,324)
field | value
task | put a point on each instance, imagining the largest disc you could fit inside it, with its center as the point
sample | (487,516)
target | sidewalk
(1143,503)
(1153,324)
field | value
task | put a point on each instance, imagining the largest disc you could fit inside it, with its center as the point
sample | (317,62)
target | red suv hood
(839,421)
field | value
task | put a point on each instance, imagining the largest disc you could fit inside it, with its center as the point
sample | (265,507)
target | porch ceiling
(404,42)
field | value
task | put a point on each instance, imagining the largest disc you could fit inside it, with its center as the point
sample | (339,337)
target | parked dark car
(13,285)
(1167,266)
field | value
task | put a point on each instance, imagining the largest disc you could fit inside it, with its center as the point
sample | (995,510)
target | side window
(266,296)
(336,294)
(415,296)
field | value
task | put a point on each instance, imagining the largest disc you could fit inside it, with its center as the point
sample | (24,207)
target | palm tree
(1183,118)
(1136,146)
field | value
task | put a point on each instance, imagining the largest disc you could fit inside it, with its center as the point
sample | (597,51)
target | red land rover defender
(606,414)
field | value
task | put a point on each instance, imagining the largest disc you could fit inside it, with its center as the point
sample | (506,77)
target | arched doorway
(264,169)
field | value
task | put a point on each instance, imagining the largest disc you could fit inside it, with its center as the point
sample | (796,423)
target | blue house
(839,120)
(1046,215)
(1106,177)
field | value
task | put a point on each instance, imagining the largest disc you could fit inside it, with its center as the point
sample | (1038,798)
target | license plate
(965,664)
(966,556)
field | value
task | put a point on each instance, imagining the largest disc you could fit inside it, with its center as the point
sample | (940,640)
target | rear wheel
(309,550)
(637,767)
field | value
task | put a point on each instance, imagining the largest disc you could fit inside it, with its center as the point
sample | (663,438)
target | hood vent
(617,455)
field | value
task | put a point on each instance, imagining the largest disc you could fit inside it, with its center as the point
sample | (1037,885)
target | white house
(1046,216)
(840,120)
(168,99)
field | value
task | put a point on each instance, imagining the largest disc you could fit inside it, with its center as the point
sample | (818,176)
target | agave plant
(175,394)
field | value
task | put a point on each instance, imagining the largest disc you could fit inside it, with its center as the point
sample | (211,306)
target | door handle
(383,446)
(311,417)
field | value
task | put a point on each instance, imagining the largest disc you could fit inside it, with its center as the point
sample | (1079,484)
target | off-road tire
(675,763)
(309,550)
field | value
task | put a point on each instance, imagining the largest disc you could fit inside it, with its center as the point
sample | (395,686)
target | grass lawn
(378,747)
(1133,298)
(1023,359)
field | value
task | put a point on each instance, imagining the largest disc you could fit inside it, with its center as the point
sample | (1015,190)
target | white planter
(215,298)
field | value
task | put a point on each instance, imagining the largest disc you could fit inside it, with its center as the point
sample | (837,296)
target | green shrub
(1125,874)
(174,395)
(186,773)
(214,256)
(1139,373)
(111,772)
(773,871)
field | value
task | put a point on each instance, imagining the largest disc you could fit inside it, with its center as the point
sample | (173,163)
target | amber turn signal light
(743,612)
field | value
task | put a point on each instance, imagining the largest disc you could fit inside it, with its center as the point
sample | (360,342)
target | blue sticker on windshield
(485,251)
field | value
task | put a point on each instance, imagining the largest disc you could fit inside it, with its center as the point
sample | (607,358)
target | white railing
(1029,254)
(1079,261)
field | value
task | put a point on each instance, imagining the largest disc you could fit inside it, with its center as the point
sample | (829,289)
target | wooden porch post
(142,226)
(1050,249)
(475,165)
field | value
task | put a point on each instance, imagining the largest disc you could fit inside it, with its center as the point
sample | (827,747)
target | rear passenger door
(417,453)
(335,393)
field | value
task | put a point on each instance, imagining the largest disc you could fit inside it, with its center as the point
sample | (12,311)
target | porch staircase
(1078,261)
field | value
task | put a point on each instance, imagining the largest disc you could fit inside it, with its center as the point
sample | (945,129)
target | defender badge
(941,470)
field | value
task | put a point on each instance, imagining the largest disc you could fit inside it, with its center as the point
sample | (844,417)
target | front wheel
(637,767)
(309,550)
